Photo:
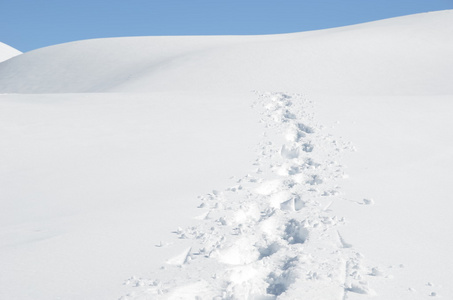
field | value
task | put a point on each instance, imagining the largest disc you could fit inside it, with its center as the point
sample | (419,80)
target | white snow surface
(7,52)
(408,55)
(312,165)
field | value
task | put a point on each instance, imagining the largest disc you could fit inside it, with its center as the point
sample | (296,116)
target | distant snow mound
(7,52)
(408,55)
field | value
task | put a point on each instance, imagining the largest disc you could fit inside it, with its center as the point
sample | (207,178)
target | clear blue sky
(31,24)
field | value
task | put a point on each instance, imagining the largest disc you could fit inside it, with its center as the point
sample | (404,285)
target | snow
(370,59)
(313,165)
(403,162)
(7,52)
(90,181)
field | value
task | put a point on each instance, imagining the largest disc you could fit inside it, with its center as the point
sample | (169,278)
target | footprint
(305,128)
(315,180)
(280,280)
(295,232)
(294,134)
(289,153)
(269,250)
(307,147)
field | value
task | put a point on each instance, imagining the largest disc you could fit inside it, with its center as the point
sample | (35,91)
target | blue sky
(31,24)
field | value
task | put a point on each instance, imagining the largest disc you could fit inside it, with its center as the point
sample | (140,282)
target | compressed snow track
(272,234)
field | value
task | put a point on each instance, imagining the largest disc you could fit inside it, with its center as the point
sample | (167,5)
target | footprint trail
(271,235)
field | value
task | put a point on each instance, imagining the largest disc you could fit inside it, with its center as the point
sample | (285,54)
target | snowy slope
(7,52)
(329,182)
(372,58)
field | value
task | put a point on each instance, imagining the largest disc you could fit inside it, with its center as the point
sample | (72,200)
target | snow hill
(6,52)
(311,165)
(351,60)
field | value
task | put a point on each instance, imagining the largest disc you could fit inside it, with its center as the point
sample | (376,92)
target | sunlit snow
(313,165)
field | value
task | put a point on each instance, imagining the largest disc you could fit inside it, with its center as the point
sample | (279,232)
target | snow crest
(7,52)
(272,235)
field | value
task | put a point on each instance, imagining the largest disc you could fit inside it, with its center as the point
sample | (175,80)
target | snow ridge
(272,235)
(7,52)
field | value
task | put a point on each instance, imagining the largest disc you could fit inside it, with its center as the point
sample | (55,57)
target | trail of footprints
(272,234)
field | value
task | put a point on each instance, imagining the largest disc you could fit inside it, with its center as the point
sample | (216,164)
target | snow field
(403,167)
(91,183)
(97,188)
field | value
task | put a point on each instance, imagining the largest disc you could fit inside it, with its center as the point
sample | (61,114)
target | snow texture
(301,166)
(270,234)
